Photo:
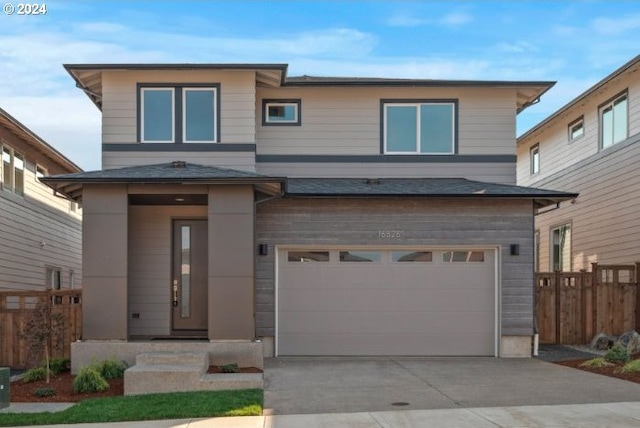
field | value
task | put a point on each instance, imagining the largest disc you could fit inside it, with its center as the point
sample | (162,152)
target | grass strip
(175,405)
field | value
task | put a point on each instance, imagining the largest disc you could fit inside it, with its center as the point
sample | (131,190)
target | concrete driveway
(343,385)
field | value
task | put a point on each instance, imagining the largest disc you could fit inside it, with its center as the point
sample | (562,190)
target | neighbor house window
(536,250)
(576,129)
(613,121)
(561,248)
(534,156)
(421,127)
(41,172)
(12,171)
(178,114)
(53,278)
(281,112)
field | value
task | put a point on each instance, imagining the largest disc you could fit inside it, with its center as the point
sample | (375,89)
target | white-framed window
(281,112)
(53,278)
(614,121)
(12,171)
(561,248)
(41,172)
(534,159)
(178,113)
(419,127)
(576,129)
(72,279)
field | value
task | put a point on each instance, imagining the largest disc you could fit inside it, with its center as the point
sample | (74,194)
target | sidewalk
(573,415)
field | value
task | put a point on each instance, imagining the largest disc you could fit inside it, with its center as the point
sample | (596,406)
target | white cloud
(456,18)
(615,26)
(517,47)
(402,19)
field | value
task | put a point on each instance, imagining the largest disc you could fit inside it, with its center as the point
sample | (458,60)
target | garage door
(386,302)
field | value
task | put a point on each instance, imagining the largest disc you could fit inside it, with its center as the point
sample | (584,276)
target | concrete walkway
(577,415)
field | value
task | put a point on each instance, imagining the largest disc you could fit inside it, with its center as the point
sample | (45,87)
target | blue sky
(575,43)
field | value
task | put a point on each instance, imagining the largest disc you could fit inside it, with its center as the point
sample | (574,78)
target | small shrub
(44,392)
(89,380)
(59,365)
(596,362)
(112,368)
(617,354)
(230,368)
(34,375)
(631,367)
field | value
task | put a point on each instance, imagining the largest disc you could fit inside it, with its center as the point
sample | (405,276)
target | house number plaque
(389,234)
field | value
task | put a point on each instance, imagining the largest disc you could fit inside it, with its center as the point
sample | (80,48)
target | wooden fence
(63,312)
(572,307)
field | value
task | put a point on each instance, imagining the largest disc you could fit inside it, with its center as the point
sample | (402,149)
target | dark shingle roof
(429,187)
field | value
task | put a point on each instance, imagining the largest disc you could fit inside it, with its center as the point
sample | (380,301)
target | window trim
(570,127)
(13,152)
(535,148)
(36,173)
(417,102)
(552,228)
(177,111)
(610,102)
(297,102)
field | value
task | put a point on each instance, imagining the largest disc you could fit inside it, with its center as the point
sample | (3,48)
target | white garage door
(386,302)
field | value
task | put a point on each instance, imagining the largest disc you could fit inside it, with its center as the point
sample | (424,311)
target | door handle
(175,292)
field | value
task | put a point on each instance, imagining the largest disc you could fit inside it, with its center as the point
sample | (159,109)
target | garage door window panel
(463,256)
(360,256)
(308,256)
(411,256)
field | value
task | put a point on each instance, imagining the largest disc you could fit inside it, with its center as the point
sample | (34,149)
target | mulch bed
(612,371)
(62,383)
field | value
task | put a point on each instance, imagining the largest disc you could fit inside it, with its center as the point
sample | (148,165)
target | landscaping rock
(602,342)
(630,340)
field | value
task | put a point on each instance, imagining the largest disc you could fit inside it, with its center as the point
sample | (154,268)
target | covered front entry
(383,301)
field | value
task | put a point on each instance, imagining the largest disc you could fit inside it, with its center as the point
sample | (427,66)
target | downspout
(536,336)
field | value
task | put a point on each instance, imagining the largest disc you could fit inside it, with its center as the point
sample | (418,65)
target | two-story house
(590,146)
(41,231)
(324,216)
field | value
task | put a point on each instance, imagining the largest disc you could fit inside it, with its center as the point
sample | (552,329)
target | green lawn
(177,405)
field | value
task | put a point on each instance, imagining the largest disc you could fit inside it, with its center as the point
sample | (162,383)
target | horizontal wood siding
(346,121)
(604,218)
(35,218)
(119,102)
(149,266)
(422,222)
(556,152)
(489,172)
(244,161)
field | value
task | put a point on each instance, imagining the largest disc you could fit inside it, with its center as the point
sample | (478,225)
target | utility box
(4,387)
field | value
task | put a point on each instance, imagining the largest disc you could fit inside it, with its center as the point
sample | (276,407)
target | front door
(189,282)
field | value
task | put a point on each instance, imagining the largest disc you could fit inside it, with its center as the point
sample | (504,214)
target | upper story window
(613,121)
(12,171)
(576,129)
(41,172)
(281,112)
(419,127)
(534,156)
(178,113)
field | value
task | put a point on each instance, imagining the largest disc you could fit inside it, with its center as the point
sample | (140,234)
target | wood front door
(189,282)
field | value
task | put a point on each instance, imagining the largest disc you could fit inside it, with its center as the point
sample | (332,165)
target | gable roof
(35,142)
(631,66)
(88,77)
(177,172)
(412,187)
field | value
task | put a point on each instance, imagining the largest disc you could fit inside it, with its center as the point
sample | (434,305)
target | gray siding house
(41,232)
(590,146)
(318,215)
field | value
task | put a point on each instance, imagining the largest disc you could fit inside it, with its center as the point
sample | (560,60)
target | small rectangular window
(281,112)
(53,278)
(463,256)
(13,165)
(41,172)
(307,256)
(613,121)
(534,155)
(360,256)
(157,115)
(412,256)
(561,248)
(7,169)
(198,115)
(576,129)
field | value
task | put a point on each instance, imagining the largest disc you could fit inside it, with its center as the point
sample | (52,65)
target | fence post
(594,297)
(584,326)
(558,308)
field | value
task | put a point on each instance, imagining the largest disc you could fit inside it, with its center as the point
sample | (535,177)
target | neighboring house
(41,246)
(590,146)
(325,216)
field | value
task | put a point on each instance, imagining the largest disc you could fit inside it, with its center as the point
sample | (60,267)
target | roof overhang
(35,142)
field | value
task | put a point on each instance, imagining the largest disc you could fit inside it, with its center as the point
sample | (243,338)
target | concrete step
(149,379)
(226,381)
(173,358)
